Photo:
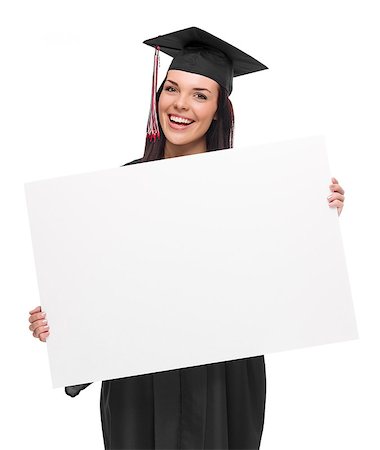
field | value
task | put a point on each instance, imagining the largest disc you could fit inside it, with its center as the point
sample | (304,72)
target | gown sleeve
(73,391)
(135,161)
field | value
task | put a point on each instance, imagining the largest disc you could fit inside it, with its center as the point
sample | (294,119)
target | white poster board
(189,260)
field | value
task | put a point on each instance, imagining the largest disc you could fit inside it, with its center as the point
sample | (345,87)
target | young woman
(214,406)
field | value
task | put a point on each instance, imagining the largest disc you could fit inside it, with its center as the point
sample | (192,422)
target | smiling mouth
(180,121)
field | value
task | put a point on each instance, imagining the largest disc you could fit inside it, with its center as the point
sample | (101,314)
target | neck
(172,150)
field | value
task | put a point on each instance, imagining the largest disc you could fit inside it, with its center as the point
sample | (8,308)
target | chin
(175,139)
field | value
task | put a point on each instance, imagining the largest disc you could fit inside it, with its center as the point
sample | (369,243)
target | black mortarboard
(197,51)
(194,50)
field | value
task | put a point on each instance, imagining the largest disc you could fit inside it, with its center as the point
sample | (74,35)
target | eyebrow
(194,89)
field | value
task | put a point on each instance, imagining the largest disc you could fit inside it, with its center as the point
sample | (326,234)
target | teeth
(180,120)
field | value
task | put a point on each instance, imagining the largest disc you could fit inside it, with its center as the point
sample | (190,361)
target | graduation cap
(197,51)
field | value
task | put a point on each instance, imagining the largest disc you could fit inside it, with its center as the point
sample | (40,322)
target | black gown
(213,406)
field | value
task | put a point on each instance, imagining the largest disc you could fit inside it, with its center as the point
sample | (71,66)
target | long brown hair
(219,136)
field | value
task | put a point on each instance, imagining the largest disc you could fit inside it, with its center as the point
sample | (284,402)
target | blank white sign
(190,260)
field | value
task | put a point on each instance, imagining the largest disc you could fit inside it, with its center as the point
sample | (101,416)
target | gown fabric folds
(214,406)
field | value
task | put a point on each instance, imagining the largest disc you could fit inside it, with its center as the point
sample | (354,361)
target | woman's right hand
(38,324)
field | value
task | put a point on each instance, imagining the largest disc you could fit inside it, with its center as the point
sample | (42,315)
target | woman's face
(186,108)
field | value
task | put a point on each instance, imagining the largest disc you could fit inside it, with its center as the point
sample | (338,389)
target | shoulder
(135,161)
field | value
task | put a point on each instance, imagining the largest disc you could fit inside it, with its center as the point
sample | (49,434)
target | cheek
(163,101)
(208,115)
(161,109)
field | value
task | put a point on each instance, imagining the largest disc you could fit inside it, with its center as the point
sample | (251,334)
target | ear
(215,117)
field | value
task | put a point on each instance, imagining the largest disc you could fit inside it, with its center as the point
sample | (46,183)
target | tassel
(152,130)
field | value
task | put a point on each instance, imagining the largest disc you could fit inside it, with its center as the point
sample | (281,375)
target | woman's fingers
(38,324)
(40,330)
(335,196)
(43,336)
(336,199)
(37,316)
(336,204)
(335,187)
(35,310)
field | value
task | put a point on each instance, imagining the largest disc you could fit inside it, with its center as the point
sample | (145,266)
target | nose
(181,102)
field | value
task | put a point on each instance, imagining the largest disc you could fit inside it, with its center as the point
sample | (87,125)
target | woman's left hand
(336,198)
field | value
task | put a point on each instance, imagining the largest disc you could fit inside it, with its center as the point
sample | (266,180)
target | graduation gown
(213,406)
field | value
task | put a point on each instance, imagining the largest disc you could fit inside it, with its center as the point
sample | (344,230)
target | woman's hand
(38,324)
(336,199)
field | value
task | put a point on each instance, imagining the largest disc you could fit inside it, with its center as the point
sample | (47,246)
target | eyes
(197,95)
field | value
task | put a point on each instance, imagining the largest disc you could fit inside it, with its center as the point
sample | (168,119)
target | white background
(74,97)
